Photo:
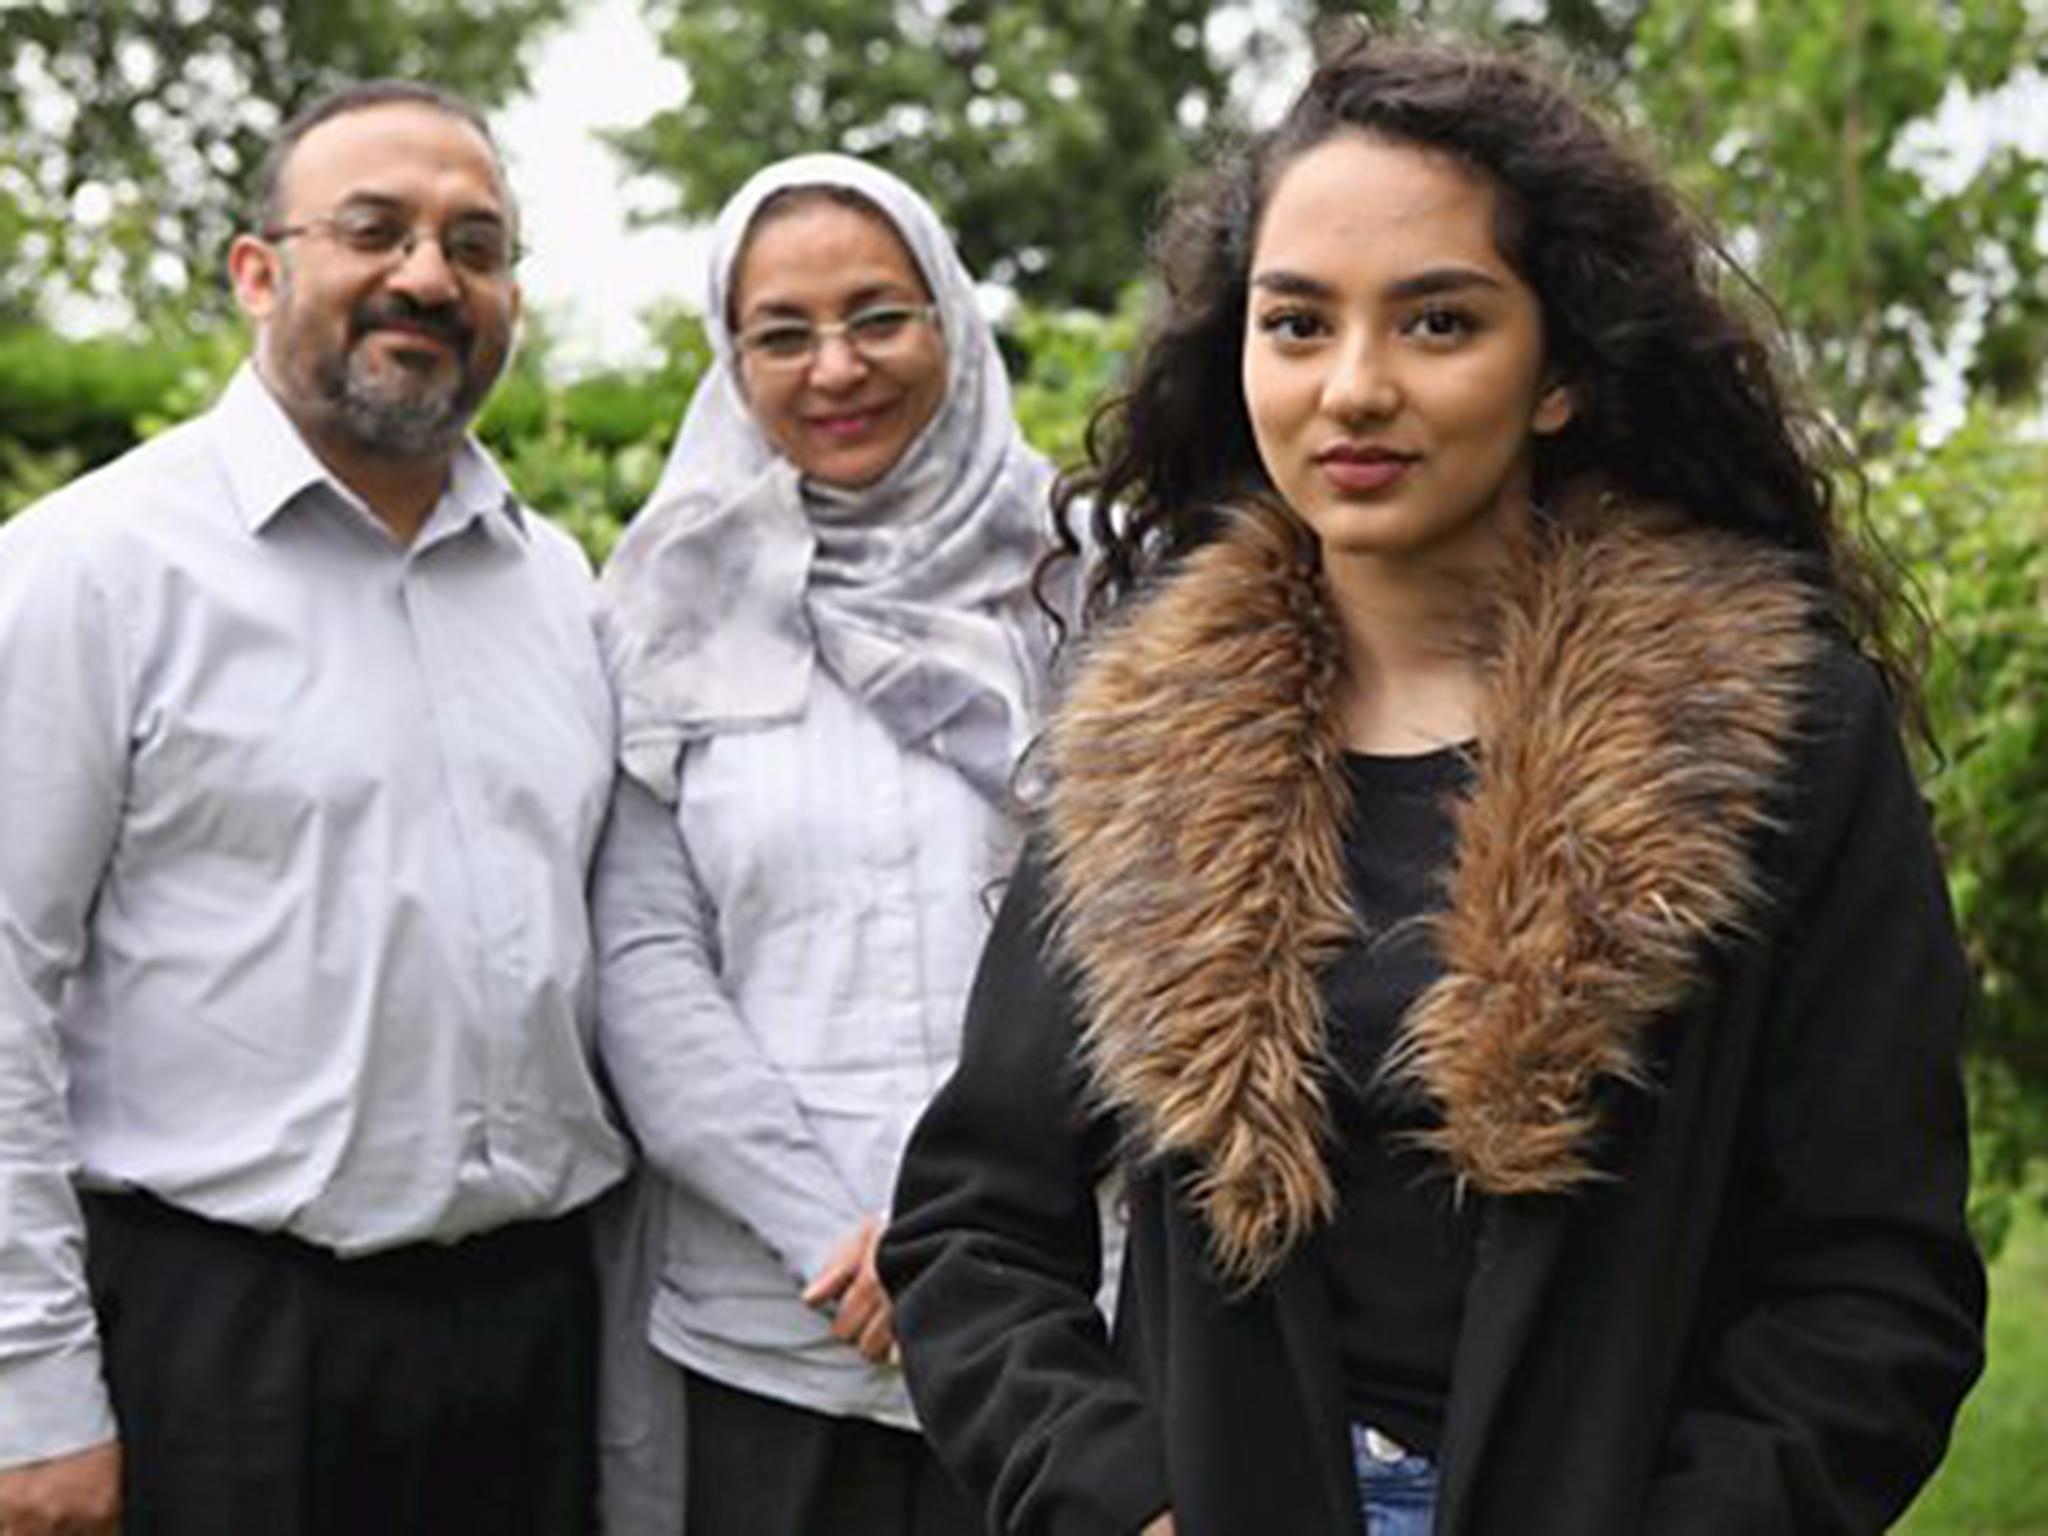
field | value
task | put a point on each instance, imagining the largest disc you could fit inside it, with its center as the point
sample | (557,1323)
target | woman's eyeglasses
(874,333)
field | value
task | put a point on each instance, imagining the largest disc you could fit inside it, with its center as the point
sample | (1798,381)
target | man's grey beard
(399,424)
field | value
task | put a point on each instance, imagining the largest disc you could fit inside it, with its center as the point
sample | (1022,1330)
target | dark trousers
(758,1467)
(264,1387)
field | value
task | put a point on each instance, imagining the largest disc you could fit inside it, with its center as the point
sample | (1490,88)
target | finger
(874,1311)
(871,1251)
(828,1284)
(878,1339)
(855,1312)
(864,1297)
(839,1272)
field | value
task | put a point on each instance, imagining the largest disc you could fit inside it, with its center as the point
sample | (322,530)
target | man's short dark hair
(358,96)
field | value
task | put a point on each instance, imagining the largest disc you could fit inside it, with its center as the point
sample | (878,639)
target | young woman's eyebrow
(1292,285)
(1441,280)
(1421,285)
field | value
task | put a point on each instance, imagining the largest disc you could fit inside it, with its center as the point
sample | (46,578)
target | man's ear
(1553,409)
(255,269)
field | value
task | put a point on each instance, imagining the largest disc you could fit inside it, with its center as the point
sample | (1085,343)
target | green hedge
(1970,520)
(82,398)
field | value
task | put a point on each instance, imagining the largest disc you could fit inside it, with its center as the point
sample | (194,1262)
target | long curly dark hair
(1679,395)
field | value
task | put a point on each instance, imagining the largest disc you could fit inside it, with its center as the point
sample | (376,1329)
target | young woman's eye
(1441,323)
(1291,325)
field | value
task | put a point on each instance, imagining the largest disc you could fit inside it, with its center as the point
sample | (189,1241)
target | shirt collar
(478,488)
(269,466)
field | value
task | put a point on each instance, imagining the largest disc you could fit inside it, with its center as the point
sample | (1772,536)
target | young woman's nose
(1361,384)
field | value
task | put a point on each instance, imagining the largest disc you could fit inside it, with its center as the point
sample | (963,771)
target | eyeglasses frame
(329,225)
(823,331)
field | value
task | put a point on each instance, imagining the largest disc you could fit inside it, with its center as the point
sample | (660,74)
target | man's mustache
(443,322)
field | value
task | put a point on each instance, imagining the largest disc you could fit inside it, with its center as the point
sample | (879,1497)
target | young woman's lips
(1364,474)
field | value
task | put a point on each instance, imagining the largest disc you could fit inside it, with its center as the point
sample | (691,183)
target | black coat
(1748,1305)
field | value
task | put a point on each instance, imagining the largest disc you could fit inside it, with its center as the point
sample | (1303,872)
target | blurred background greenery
(1881,166)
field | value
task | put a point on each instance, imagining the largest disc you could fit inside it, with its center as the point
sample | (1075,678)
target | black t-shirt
(1398,1252)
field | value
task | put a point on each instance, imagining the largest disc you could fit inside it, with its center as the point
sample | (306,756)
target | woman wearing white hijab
(828,660)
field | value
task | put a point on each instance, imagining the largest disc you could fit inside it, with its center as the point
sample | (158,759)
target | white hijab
(913,591)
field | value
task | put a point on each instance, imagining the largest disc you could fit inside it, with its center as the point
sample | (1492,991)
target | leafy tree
(1596,29)
(130,128)
(1046,132)
(1804,129)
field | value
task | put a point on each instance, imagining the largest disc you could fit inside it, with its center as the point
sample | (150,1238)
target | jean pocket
(1396,1488)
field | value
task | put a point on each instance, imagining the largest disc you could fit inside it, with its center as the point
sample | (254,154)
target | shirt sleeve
(994,1258)
(63,764)
(1828,1398)
(709,1108)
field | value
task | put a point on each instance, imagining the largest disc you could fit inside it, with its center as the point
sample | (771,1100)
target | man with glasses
(304,746)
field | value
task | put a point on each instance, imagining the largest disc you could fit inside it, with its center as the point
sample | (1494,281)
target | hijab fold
(914,592)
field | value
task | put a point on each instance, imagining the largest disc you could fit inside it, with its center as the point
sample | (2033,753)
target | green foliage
(590,492)
(26,474)
(1045,132)
(588,453)
(1048,133)
(130,128)
(1970,517)
(208,355)
(1801,128)
(1596,29)
(1995,1480)
(1064,364)
(17,289)
(84,397)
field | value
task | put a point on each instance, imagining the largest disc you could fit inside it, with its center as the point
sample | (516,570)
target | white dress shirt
(294,830)
(784,963)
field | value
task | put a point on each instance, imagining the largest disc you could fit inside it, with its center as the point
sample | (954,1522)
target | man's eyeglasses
(874,333)
(480,247)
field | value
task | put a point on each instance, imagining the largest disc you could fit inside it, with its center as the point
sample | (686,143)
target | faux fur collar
(1645,678)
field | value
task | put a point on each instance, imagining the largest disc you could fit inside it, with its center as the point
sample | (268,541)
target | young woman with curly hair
(1481,903)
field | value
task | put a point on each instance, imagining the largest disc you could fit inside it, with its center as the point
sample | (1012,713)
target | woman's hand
(849,1288)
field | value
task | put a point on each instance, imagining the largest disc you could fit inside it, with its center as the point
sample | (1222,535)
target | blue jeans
(1396,1490)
